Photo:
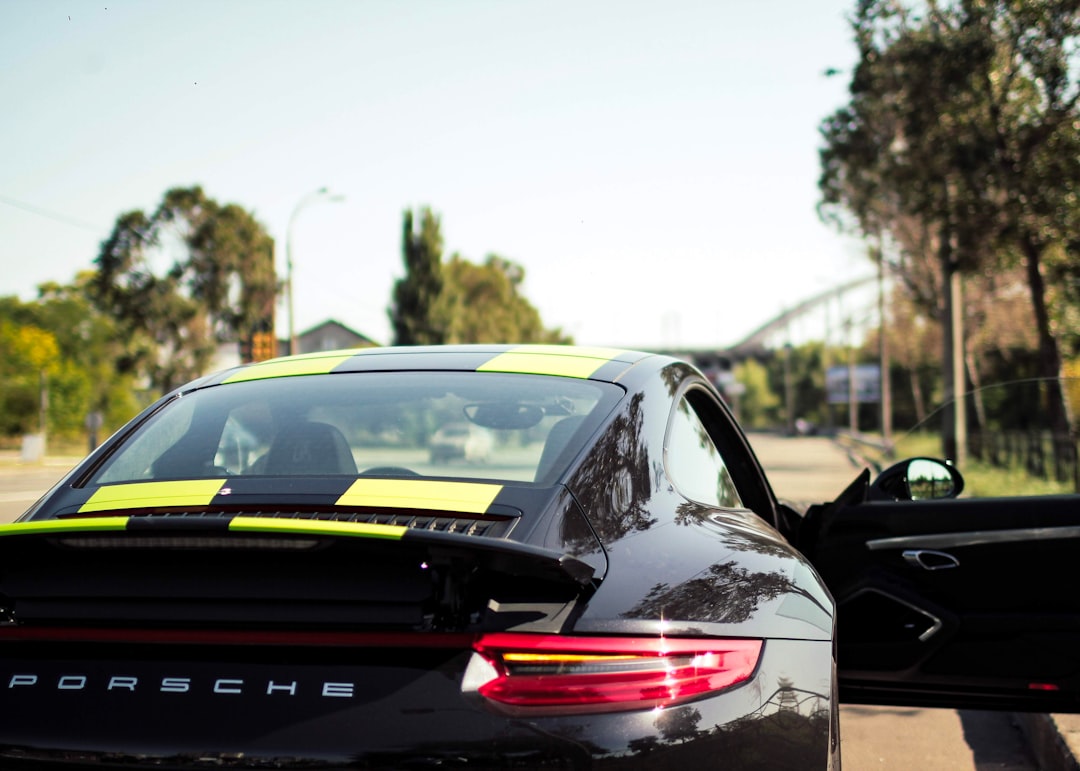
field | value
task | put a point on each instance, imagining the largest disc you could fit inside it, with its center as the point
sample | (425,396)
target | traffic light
(263,346)
(261,342)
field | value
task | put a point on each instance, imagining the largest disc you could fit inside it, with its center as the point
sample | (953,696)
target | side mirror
(917,479)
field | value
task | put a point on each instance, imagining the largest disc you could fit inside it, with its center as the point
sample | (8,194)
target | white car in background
(463,441)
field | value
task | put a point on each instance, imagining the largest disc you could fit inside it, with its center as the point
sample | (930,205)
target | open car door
(946,602)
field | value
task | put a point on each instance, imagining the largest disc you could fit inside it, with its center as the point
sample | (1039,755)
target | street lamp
(316,195)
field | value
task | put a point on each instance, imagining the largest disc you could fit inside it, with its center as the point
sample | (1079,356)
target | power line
(49,214)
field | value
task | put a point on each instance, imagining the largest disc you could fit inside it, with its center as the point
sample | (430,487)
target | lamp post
(789,390)
(321,194)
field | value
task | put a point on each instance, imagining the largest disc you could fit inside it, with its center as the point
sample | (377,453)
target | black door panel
(969,602)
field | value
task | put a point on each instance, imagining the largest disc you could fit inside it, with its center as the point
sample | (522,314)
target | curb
(1048,739)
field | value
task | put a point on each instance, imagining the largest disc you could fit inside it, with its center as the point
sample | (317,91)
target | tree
(913,335)
(89,345)
(414,314)
(215,284)
(61,336)
(29,356)
(960,145)
(759,404)
(1034,118)
(483,304)
(460,301)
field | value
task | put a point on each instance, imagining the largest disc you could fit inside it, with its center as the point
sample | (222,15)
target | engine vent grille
(489,527)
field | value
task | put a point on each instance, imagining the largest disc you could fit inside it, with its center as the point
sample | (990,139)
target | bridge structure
(756,341)
(717,363)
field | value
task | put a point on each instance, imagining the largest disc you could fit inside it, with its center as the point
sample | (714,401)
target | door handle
(928,559)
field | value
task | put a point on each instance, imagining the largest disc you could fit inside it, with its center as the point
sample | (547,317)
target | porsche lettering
(222,686)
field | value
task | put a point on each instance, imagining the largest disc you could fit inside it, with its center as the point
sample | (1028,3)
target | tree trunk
(883,356)
(917,397)
(976,390)
(954,414)
(1049,355)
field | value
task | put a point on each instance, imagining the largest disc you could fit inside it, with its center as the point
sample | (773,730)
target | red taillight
(1043,687)
(600,674)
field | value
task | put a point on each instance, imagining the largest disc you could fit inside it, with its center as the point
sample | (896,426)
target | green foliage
(806,368)
(415,314)
(960,147)
(483,304)
(1063,296)
(217,284)
(70,391)
(63,338)
(981,480)
(90,344)
(759,405)
(29,355)
(763,404)
(460,301)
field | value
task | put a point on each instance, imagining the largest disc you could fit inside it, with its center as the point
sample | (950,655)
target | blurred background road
(23,483)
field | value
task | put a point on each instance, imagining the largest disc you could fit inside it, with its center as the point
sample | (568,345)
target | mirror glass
(927,479)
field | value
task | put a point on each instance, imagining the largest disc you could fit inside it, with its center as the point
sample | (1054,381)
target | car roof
(602,364)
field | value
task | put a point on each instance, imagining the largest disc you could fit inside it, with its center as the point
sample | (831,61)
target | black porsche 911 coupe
(268,569)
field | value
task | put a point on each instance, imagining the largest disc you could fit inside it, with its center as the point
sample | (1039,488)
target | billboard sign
(867,384)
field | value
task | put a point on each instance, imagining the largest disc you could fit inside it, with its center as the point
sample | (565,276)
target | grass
(981,480)
(918,445)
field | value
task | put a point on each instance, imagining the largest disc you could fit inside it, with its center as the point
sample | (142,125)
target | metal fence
(1041,454)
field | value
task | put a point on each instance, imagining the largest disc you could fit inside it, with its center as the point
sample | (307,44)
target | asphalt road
(23,483)
(804,469)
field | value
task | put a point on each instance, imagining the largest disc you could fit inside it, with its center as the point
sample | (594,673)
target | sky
(652,166)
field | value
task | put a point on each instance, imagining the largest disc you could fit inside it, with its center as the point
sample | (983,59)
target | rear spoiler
(270,571)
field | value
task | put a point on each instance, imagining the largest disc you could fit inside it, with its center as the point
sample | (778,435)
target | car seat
(557,440)
(309,448)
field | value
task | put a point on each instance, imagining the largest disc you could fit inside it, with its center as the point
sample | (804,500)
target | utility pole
(789,391)
(883,354)
(853,393)
(325,194)
(955,302)
(954,415)
(825,362)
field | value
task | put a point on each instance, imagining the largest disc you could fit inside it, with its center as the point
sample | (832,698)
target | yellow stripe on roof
(467,497)
(64,525)
(559,360)
(308,364)
(315,526)
(138,495)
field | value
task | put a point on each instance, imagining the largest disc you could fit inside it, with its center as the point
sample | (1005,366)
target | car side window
(695,464)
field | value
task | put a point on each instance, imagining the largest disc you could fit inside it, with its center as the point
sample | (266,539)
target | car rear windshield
(518,428)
